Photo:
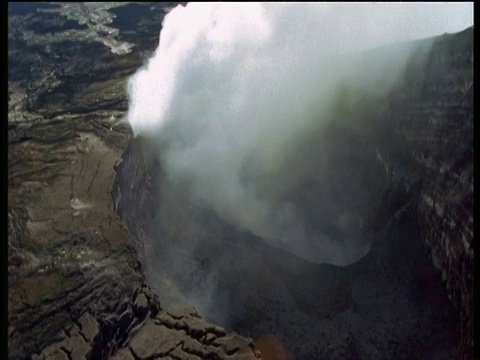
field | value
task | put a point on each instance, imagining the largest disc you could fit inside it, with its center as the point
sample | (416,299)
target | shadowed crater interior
(365,182)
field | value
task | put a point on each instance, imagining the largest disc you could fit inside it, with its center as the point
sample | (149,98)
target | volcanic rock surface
(86,283)
(75,286)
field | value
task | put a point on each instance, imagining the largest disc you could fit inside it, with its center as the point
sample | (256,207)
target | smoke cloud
(236,98)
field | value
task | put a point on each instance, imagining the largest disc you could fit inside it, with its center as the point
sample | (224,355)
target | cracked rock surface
(76,289)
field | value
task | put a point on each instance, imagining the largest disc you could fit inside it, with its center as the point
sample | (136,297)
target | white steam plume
(233,89)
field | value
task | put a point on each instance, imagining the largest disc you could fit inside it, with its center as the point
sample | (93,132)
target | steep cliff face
(424,138)
(404,167)
(423,134)
(434,122)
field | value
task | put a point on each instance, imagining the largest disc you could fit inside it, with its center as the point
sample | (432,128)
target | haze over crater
(237,97)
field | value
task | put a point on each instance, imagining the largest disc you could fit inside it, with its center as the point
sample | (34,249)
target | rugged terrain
(75,286)
(84,282)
